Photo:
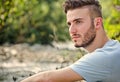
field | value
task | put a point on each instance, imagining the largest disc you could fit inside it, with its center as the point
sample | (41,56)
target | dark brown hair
(93,5)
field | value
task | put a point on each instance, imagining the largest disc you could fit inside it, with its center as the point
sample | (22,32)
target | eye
(68,24)
(77,22)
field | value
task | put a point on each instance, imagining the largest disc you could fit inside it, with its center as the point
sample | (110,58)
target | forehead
(82,13)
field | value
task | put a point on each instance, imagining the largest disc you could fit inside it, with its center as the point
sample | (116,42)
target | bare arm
(61,75)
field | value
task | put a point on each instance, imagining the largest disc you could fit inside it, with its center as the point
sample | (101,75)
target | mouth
(75,37)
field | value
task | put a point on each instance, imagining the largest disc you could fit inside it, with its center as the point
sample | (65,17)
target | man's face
(81,27)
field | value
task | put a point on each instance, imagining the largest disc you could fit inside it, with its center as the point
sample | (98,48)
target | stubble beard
(88,37)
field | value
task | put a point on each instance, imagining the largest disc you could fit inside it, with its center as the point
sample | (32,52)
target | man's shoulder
(110,46)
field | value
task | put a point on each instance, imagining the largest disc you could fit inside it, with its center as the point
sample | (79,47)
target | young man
(86,29)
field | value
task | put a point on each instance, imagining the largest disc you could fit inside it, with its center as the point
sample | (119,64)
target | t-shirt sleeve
(93,67)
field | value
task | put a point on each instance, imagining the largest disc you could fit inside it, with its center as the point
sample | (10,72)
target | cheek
(82,30)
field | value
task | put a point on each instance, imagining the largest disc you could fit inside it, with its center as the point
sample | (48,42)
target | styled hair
(93,6)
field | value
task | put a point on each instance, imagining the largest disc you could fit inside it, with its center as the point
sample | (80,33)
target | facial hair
(88,37)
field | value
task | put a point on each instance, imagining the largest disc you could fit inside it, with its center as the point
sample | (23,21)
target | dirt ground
(19,61)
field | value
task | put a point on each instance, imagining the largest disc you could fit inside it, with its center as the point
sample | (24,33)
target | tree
(112,18)
(43,21)
(34,21)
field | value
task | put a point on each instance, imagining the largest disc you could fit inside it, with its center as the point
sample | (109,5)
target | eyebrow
(77,19)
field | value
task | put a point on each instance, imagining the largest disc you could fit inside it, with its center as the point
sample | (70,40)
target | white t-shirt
(102,65)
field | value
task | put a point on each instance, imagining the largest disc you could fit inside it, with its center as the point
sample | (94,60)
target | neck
(99,42)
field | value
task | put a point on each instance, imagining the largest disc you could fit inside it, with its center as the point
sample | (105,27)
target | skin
(61,75)
(82,29)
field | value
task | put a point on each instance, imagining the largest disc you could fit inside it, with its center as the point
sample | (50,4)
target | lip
(75,38)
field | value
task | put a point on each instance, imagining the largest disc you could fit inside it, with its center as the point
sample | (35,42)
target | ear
(98,22)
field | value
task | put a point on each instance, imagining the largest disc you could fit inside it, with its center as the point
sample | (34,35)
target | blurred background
(34,36)
(43,21)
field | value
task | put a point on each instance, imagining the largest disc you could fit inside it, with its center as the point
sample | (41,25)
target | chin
(77,45)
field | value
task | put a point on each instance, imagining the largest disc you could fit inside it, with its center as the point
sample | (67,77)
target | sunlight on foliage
(43,21)
(111,18)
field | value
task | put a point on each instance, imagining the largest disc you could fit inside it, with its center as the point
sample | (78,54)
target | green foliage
(43,21)
(34,21)
(112,18)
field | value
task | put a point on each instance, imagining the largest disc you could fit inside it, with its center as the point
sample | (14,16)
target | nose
(72,29)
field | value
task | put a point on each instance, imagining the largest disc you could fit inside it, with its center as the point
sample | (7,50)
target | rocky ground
(19,61)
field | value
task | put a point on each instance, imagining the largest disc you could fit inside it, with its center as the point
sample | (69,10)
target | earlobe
(98,22)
